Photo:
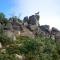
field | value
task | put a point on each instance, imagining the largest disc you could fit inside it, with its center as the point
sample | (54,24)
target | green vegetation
(39,48)
(3,19)
(4,39)
(33,49)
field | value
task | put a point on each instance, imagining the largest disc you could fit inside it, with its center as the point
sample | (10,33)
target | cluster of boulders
(32,23)
(52,33)
(29,27)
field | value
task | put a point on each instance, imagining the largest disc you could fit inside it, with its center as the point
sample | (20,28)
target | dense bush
(33,49)
(7,57)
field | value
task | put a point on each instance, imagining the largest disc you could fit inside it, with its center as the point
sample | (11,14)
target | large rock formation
(33,22)
(54,30)
(57,37)
(34,19)
(55,34)
(44,30)
(25,21)
(30,27)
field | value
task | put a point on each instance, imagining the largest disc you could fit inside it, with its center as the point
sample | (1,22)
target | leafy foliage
(36,49)
(7,57)
(3,20)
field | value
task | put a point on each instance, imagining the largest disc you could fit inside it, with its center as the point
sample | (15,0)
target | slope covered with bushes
(31,49)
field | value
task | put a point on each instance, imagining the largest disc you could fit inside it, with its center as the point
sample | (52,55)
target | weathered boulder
(8,26)
(57,36)
(54,30)
(0,45)
(54,33)
(3,50)
(45,28)
(10,34)
(32,27)
(20,57)
(25,19)
(32,20)
(1,26)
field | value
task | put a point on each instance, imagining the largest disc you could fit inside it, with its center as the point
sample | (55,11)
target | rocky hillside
(29,26)
(27,40)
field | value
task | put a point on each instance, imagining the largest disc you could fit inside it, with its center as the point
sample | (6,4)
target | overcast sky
(49,10)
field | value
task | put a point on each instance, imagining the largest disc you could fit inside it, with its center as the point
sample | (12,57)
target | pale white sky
(49,10)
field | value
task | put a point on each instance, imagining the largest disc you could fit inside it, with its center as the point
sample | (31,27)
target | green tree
(3,20)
